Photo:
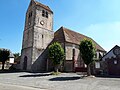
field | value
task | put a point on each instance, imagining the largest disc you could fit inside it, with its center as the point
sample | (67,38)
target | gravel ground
(64,81)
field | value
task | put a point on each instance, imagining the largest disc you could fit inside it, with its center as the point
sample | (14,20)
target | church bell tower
(37,35)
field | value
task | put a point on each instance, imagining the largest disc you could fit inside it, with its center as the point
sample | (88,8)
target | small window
(100,55)
(73,52)
(115,61)
(42,35)
(43,13)
(46,14)
(30,14)
(85,65)
(97,64)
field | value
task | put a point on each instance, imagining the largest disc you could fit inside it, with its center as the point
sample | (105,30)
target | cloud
(106,34)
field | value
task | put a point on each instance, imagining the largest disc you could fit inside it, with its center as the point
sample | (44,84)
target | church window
(73,52)
(30,14)
(42,35)
(44,14)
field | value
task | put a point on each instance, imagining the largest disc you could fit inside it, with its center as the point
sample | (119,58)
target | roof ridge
(117,46)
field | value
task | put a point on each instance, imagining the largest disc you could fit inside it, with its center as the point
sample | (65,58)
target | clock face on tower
(116,51)
(42,22)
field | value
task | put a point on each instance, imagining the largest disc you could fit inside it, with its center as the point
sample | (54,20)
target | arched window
(43,13)
(42,35)
(46,14)
(30,14)
(73,51)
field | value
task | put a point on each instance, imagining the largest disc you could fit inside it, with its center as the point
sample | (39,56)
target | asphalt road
(16,87)
(64,81)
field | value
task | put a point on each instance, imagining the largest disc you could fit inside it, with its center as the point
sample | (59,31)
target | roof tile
(73,37)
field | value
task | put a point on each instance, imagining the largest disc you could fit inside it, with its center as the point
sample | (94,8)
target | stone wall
(48,22)
(26,53)
(73,58)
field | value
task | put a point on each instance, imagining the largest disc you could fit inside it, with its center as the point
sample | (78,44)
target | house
(38,35)
(110,63)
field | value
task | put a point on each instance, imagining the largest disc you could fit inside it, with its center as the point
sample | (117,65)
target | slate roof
(42,5)
(116,46)
(66,35)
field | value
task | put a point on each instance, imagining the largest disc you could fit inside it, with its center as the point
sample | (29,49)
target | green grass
(55,73)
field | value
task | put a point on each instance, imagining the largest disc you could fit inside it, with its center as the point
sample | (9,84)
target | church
(38,35)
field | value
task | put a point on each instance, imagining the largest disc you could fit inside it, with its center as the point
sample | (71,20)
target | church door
(25,63)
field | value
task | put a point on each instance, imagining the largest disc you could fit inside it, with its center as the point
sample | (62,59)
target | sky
(98,19)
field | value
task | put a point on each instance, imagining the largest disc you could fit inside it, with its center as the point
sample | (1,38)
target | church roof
(67,35)
(42,5)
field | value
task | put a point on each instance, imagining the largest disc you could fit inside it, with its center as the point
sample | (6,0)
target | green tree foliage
(16,55)
(87,51)
(4,55)
(56,54)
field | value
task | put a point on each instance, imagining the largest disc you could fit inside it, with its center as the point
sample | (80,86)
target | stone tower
(38,33)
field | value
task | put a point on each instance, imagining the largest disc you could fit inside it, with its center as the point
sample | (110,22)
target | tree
(4,55)
(16,55)
(56,54)
(87,51)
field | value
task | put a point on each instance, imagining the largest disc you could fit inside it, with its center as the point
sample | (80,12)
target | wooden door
(25,63)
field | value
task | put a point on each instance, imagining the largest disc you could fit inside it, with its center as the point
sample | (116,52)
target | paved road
(16,87)
(65,81)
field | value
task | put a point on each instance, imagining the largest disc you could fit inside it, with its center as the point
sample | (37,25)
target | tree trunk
(88,70)
(56,68)
(3,63)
